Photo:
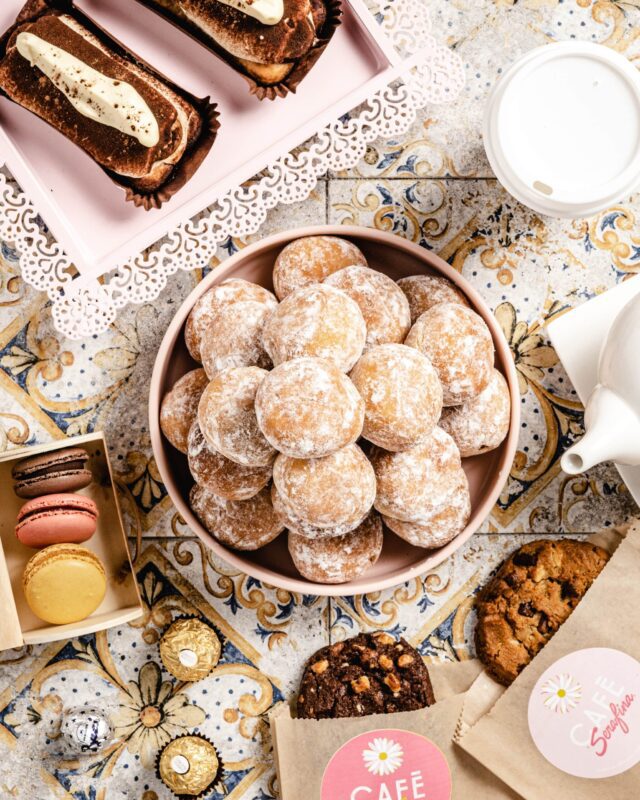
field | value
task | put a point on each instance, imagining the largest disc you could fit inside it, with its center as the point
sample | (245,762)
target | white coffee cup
(562,129)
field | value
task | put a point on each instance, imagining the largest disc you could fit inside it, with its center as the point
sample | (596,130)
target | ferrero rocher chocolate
(189,766)
(190,649)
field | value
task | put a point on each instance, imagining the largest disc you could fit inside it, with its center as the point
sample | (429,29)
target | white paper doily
(83,309)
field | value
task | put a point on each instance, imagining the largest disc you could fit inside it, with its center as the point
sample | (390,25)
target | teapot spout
(613,434)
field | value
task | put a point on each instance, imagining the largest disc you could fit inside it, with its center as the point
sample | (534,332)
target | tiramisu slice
(125,117)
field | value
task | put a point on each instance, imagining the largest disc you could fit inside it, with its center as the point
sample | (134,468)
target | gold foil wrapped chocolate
(189,766)
(190,649)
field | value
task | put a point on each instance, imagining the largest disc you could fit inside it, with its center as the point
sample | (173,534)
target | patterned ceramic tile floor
(434,187)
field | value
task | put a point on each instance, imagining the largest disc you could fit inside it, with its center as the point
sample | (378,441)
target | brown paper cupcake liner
(188,165)
(196,153)
(303,65)
(301,68)
(215,785)
(221,637)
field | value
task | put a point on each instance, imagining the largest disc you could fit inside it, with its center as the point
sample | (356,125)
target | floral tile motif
(434,187)
(267,634)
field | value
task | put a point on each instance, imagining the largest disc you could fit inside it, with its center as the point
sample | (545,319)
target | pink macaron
(56,519)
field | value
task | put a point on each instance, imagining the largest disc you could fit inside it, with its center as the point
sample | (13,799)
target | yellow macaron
(64,583)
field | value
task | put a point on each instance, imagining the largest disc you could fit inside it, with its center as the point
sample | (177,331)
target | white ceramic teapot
(612,416)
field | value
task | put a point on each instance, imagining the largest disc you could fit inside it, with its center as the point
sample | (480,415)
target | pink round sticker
(387,765)
(584,713)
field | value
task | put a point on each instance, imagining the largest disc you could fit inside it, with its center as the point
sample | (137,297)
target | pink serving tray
(88,215)
(399,562)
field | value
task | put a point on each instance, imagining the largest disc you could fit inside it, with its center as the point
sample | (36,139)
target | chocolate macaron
(56,518)
(49,473)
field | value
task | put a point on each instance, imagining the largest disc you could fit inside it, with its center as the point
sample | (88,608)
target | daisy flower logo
(383,756)
(561,693)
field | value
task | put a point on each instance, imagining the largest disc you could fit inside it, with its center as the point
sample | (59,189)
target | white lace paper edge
(89,310)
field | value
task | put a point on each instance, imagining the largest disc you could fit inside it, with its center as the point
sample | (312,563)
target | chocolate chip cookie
(372,673)
(529,598)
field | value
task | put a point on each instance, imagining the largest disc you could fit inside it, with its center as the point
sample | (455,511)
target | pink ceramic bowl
(399,561)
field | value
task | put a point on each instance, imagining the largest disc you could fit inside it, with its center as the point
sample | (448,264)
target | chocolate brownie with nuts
(531,595)
(373,673)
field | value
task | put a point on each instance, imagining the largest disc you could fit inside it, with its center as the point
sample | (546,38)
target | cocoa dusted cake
(273,42)
(140,129)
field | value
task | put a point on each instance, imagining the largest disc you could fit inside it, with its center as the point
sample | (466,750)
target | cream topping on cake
(114,103)
(268,12)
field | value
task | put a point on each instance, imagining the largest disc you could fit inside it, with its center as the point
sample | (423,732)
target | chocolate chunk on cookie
(531,595)
(372,673)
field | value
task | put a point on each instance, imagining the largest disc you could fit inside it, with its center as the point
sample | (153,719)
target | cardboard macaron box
(65,568)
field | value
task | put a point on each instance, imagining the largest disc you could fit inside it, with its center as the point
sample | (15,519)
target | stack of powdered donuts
(336,408)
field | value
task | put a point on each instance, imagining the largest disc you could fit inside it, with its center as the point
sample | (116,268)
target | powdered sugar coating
(327,492)
(317,321)
(383,305)
(227,417)
(233,290)
(217,474)
(425,291)
(301,528)
(442,523)
(414,482)
(482,423)
(402,396)
(241,524)
(180,408)
(310,260)
(342,558)
(459,345)
(234,338)
(308,408)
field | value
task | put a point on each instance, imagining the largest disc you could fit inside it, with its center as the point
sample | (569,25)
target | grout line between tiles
(451,178)
(173,538)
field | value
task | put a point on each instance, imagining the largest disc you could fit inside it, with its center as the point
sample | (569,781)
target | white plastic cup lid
(562,129)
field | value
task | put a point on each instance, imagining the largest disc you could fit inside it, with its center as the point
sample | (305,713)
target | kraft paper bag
(570,722)
(403,756)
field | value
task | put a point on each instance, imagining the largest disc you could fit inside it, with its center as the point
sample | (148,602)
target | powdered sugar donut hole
(234,338)
(317,321)
(233,290)
(338,489)
(425,291)
(308,408)
(383,305)
(441,524)
(227,417)
(310,260)
(458,343)
(217,474)
(240,524)
(482,423)
(299,526)
(411,483)
(341,558)
(402,396)
(180,408)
